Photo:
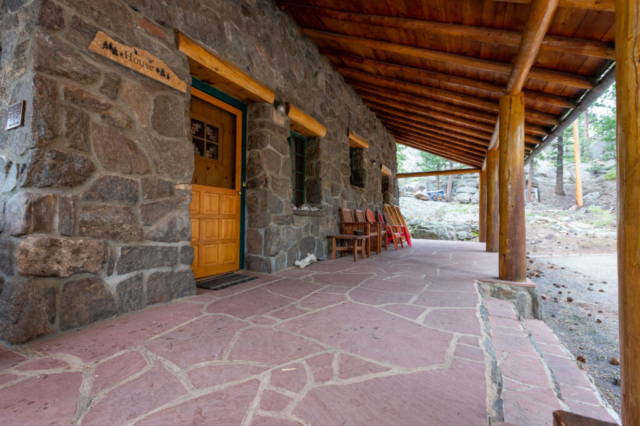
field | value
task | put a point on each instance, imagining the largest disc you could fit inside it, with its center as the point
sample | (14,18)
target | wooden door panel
(228,204)
(195,229)
(194,207)
(209,256)
(228,229)
(210,203)
(210,229)
(227,253)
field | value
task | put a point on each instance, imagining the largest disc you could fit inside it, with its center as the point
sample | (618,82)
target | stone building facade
(96,185)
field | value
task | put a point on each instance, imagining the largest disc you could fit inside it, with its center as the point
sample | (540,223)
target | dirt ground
(575,270)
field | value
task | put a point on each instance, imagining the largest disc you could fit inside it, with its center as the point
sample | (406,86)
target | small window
(352,155)
(298,146)
(358,172)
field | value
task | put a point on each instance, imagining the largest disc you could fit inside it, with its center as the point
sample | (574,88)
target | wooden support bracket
(304,124)
(356,141)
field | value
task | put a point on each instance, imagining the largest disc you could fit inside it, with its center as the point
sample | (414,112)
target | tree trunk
(560,167)
(530,182)
(450,184)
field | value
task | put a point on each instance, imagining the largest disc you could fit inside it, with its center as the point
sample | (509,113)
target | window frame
(293,154)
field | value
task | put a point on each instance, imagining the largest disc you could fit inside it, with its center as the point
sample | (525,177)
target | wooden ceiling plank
(551,76)
(414,103)
(605,5)
(439,173)
(413,122)
(447,78)
(469,161)
(391,125)
(541,14)
(481,34)
(441,94)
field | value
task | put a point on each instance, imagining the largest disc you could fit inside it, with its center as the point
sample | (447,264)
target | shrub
(610,175)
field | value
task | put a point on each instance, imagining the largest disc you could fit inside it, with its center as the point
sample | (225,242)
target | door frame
(223,97)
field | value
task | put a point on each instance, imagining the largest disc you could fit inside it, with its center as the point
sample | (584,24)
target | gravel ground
(587,325)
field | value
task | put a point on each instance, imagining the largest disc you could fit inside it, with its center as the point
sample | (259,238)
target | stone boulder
(85,302)
(466,190)
(59,257)
(592,196)
(26,311)
(598,148)
(464,198)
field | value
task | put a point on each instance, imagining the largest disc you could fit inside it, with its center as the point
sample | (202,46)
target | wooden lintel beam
(541,14)
(439,173)
(356,141)
(445,78)
(481,34)
(550,76)
(440,94)
(416,103)
(218,72)
(604,5)
(303,123)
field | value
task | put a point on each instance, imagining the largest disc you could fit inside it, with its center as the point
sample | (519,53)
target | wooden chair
(393,232)
(349,225)
(392,216)
(376,230)
(401,217)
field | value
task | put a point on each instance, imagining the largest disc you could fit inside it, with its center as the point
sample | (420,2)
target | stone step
(539,376)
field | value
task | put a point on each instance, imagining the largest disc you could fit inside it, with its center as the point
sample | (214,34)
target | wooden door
(216,135)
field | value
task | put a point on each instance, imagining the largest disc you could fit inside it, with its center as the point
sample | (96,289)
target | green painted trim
(212,91)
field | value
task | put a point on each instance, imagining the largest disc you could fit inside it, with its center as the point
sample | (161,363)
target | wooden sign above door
(136,59)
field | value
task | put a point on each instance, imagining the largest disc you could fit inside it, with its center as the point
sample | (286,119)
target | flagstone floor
(404,338)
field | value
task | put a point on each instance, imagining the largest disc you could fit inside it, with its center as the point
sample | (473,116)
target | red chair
(393,232)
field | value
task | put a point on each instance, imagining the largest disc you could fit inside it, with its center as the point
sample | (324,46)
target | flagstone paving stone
(396,339)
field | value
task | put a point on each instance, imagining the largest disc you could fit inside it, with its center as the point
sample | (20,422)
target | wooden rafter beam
(384,105)
(448,155)
(430,124)
(392,124)
(485,35)
(541,14)
(439,173)
(398,127)
(550,76)
(605,5)
(440,94)
(438,133)
(415,103)
(445,78)
(431,150)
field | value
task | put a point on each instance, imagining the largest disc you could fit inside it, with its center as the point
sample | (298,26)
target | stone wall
(95,187)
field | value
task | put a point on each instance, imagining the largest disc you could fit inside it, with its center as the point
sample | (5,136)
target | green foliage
(595,168)
(601,217)
(429,162)
(401,155)
(610,175)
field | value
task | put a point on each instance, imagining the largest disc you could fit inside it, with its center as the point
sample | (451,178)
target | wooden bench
(359,245)
(563,418)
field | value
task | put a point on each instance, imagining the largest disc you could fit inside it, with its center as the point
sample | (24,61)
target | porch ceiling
(433,71)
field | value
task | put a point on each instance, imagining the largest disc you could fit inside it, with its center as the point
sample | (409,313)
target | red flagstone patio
(404,338)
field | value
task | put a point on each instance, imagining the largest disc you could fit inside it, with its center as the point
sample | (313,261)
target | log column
(512,246)
(493,206)
(482,220)
(628,152)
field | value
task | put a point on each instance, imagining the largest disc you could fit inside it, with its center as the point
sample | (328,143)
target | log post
(482,220)
(512,246)
(493,205)
(576,152)
(628,156)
